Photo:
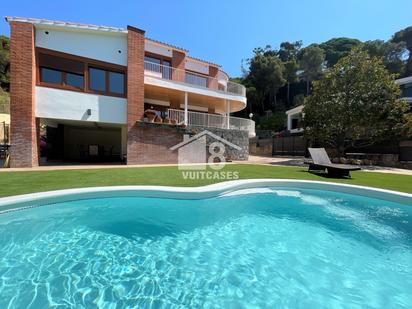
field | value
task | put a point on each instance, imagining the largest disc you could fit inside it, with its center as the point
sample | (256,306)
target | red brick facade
(153,144)
(135,90)
(178,62)
(24,126)
(213,72)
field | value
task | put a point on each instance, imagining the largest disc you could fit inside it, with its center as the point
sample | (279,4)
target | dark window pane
(74,80)
(166,70)
(97,79)
(151,59)
(51,76)
(151,64)
(116,82)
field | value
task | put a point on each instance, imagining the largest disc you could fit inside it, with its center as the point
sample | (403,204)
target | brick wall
(178,61)
(153,142)
(24,126)
(135,90)
(213,72)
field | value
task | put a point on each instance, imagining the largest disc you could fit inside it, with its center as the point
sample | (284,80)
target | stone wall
(152,142)
(239,138)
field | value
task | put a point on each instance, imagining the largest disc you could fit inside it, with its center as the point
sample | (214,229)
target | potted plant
(151,114)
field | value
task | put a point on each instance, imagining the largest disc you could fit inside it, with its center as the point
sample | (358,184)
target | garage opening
(80,143)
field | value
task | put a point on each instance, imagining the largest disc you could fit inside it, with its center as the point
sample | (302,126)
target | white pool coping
(49,197)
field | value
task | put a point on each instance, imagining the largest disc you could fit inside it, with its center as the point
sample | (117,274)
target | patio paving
(259,160)
(299,161)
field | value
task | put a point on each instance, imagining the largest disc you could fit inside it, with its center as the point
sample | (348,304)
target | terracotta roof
(167,44)
(201,60)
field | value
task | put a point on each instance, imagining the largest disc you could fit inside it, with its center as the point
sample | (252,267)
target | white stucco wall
(157,49)
(197,66)
(94,45)
(71,105)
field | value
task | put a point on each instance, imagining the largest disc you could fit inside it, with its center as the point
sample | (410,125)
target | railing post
(227,114)
(186,108)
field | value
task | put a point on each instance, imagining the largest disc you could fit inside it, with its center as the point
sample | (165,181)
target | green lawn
(12,183)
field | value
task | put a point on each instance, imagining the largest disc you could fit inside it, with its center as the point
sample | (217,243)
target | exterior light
(251,115)
(89,112)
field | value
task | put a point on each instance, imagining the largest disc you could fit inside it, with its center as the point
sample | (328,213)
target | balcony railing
(166,72)
(213,121)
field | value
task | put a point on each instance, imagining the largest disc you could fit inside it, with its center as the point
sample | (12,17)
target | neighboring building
(90,86)
(295,117)
(4,123)
(406,87)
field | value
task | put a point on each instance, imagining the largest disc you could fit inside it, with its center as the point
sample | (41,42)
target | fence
(289,146)
(213,121)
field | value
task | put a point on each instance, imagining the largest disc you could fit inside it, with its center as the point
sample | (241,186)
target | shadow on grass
(326,175)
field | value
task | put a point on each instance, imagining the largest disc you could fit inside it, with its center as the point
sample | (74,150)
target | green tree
(338,48)
(4,62)
(275,122)
(311,62)
(391,53)
(266,74)
(288,54)
(405,36)
(355,103)
(4,97)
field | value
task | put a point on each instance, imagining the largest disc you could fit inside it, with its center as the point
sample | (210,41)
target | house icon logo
(202,150)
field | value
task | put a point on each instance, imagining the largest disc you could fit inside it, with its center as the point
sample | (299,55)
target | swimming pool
(257,245)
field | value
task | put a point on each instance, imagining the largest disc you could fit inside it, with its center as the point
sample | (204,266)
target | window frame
(87,62)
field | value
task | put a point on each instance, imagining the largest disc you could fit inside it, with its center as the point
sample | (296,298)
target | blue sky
(226,31)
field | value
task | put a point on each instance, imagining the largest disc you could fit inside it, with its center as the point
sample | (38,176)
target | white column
(289,126)
(186,107)
(227,114)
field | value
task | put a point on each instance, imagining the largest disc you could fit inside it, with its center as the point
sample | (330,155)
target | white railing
(212,121)
(166,72)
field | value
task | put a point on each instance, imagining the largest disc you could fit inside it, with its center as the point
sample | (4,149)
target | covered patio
(73,142)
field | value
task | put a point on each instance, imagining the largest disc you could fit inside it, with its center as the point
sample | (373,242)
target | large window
(62,72)
(51,76)
(75,80)
(106,81)
(160,65)
(195,79)
(67,73)
(407,90)
(97,79)
(116,82)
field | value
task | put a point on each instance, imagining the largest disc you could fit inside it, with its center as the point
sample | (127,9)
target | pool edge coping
(15,202)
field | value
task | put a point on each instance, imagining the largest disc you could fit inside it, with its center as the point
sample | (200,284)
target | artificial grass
(13,183)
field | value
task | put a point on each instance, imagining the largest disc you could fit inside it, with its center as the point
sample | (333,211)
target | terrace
(217,96)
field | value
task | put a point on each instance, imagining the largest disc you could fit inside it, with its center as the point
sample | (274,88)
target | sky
(227,31)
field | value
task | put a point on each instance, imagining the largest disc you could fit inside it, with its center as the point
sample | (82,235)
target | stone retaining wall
(150,143)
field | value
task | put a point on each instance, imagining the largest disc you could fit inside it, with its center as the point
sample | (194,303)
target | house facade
(406,88)
(90,89)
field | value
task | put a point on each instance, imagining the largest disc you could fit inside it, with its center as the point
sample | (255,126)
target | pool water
(255,248)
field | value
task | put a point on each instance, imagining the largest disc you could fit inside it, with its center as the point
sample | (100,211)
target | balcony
(212,121)
(159,71)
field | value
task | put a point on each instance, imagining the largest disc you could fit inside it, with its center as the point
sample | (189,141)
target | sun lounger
(321,162)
